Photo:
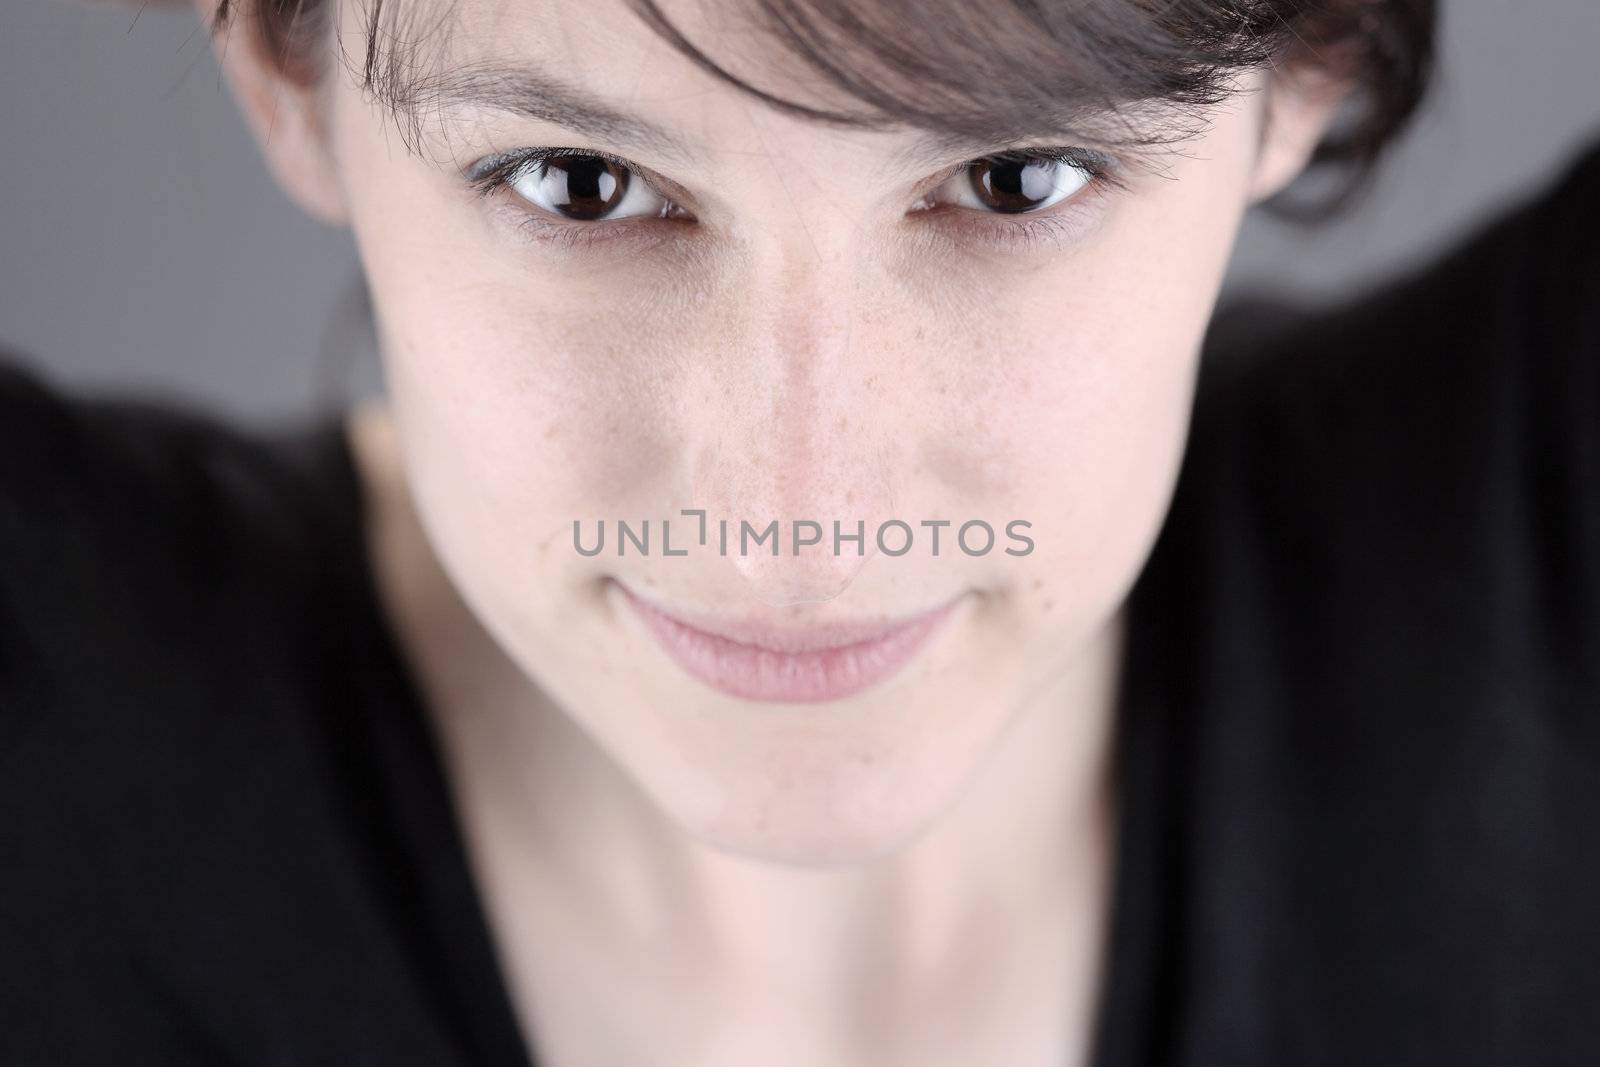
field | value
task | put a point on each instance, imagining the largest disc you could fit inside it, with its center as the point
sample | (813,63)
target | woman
(804,598)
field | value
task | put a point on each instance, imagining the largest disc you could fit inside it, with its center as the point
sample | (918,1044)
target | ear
(286,117)
(1299,103)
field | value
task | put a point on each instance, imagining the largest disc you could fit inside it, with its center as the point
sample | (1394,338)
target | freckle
(549,432)
(872,379)
(865,759)
(1038,583)
(850,496)
(844,422)
(1049,604)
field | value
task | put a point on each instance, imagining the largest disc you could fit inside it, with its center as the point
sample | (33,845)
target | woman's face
(763,326)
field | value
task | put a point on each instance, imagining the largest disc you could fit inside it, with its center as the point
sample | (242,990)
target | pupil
(1013,186)
(593,186)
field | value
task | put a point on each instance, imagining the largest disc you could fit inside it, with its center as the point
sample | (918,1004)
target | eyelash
(1059,224)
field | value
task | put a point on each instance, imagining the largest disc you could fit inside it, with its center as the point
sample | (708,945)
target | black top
(1360,727)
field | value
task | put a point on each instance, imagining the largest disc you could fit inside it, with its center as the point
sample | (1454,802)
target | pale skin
(916,874)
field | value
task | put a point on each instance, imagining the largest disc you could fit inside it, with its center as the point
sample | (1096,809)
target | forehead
(569,36)
(599,68)
(595,63)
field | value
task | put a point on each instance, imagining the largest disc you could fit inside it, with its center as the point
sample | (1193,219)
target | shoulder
(158,559)
(107,500)
(1445,423)
(1382,575)
(1516,298)
(1394,501)
(86,469)
(176,665)
(201,746)
(155,554)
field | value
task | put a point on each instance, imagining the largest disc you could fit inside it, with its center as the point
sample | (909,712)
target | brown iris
(583,188)
(1014,186)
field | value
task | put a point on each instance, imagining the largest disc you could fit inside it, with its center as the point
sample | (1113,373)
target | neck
(1010,884)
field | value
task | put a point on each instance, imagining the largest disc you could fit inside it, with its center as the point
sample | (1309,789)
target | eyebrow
(547,98)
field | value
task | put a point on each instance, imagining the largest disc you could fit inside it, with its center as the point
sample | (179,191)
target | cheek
(522,387)
(1100,402)
(544,400)
(529,405)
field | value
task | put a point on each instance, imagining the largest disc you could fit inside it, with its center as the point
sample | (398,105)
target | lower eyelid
(1061,226)
(536,228)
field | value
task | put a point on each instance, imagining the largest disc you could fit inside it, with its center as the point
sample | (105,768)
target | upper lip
(782,637)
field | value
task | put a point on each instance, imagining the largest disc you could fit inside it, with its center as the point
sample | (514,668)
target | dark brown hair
(992,68)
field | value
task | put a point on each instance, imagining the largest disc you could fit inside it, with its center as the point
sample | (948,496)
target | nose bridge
(794,444)
(805,346)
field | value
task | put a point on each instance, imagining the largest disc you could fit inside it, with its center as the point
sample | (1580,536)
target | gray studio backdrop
(143,245)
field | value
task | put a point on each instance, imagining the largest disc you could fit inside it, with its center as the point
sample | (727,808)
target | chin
(819,784)
(830,805)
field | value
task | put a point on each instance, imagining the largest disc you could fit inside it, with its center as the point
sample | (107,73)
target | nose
(797,461)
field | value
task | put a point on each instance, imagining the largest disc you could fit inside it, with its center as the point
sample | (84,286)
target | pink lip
(756,660)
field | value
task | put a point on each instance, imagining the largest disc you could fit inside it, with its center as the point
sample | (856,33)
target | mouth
(755,659)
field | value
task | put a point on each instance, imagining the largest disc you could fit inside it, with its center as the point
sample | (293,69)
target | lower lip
(751,672)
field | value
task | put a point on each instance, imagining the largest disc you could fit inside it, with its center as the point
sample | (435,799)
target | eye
(583,188)
(564,194)
(1027,181)
(562,189)
(1034,197)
